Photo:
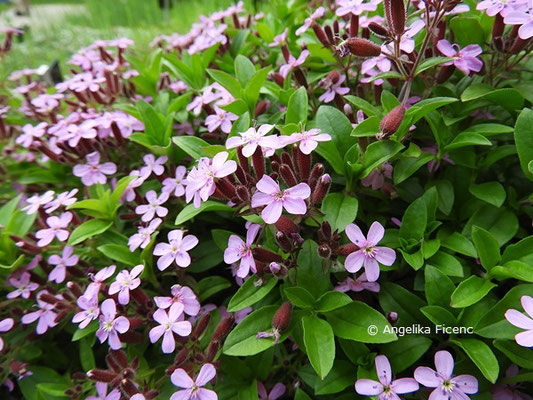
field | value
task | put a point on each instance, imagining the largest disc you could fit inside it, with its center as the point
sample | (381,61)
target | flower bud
(395,13)
(278,78)
(378,30)
(181,356)
(100,375)
(362,47)
(316,172)
(392,317)
(519,45)
(324,232)
(321,35)
(288,175)
(128,387)
(261,107)
(283,242)
(266,256)
(212,351)
(347,249)
(300,77)
(258,161)
(354,25)
(321,189)
(119,357)
(445,73)
(391,122)
(304,164)
(201,326)
(324,251)
(282,318)
(329,34)
(286,225)
(223,328)
(243,193)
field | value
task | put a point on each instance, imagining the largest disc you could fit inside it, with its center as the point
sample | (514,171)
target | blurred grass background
(61,27)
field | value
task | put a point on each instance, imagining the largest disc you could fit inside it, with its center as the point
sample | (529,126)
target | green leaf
(192,145)
(249,293)
(406,351)
(407,166)
(297,107)
(249,392)
(438,286)
(87,230)
(439,315)
(467,30)
(244,69)
(310,274)
(468,139)
(364,105)
(242,340)
(211,285)
(333,122)
(299,296)
(500,222)
(340,210)
(89,329)
(470,291)
(8,209)
(521,356)
(319,344)
(120,253)
(487,247)
(301,395)
(394,297)
(432,62)
(524,140)
(342,375)
(514,269)
(377,153)
(229,82)
(447,264)
(490,192)
(347,327)
(190,211)
(481,354)
(331,301)
(254,85)
(460,244)
(414,220)
(510,99)
(519,251)
(86,354)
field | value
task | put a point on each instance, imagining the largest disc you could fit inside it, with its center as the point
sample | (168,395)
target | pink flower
(465,59)
(101,391)
(90,311)
(175,250)
(45,316)
(64,199)
(110,325)
(502,7)
(319,13)
(238,249)
(447,386)
(36,201)
(519,320)
(270,195)
(201,179)
(5,326)
(148,211)
(386,388)
(368,254)
(124,282)
(180,295)
(308,139)
(252,138)
(521,18)
(93,172)
(153,165)
(376,178)
(293,63)
(194,390)
(279,39)
(177,184)
(77,132)
(56,229)
(277,391)
(30,133)
(332,89)
(144,235)
(67,259)
(138,396)
(357,285)
(222,119)
(355,7)
(97,280)
(23,285)
(168,325)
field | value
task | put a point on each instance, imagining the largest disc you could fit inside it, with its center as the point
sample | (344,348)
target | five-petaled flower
(308,139)
(275,199)
(66,259)
(193,390)
(175,250)
(5,326)
(93,172)
(252,138)
(519,320)
(90,311)
(111,325)
(45,316)
(182,295)
(148,211)
(465,59)
(124,282)
(23,286)
(56,229)
(143,236)
(386,388)
(238,249)
(168,325)
(97,280)
(293,63)
(177,184)
(368,254)
(447,385)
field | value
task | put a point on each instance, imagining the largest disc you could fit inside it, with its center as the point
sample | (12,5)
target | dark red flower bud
(275,166)
(181,356)
(519,45)
(362,47)
(100,375)
(354,25)
(304,164)
(329,34)
(324,251)
(201,326)
(324,231)
(445,73)
(300,77)
(128,387)
(347,249)
(391,122)
(286,53)
(288,175)
(278,78)
(243,193)
(395,13)
(286,225)
(378,30)
(116,133)
(119,357)
(316,172)
(283,242)
(226,188)
(321,189)
(212,351)
(48,298)
(223,328)
(321,35)
(261,107)
(282,318)
(265,255)
(258,161)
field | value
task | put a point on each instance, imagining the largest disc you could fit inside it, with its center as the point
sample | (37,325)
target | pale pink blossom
(169,323)
(293,63)
(308,139)
(176,250)
(221,118)
(239,250)
(277,391)
(97,280)
(93,172)
(64,199)
(124,282)
(101,391)
(143,236)
(154,206)
(176,185)
(45,316)
(90,311)
(182,295)
(193,390)
(279,39)
(252,138)
(332,89)
(355,7)
(5,326)
(465,59)
(357,285)
(67,259)
(36,201)
(56,229)
(522,321)
(23,286)
(153,165)
(111,325)
(318,13)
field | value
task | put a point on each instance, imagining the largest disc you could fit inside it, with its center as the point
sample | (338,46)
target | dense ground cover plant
(318,200)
